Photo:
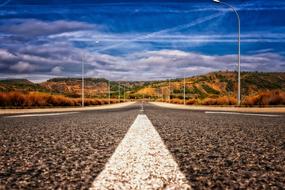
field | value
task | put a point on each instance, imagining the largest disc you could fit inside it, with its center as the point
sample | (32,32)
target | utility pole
(238,45)
(109,87)
(184,92)
(82,80)
(119,93)
(169,90)
(124,93)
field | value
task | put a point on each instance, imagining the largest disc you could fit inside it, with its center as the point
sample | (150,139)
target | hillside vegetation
(39,99)
(216,88)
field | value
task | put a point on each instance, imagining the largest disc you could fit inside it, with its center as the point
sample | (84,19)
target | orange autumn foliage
(37,99)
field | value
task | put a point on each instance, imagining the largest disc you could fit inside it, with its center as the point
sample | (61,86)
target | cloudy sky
(137,40)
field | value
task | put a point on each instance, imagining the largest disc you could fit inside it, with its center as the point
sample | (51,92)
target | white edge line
(239,113)
(40,114)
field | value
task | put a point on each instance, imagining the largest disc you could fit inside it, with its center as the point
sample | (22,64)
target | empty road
(127,148)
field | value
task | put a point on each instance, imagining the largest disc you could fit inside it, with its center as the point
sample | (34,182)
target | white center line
(238,113)
(141,161)
(40,115)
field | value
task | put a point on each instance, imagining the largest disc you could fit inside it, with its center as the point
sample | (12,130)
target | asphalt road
(60,152)
(219,151)
(214,151)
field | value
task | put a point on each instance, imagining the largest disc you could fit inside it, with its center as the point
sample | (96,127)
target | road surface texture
(220,151)
(60,151)
(64,109)
(222,108)
(126,148)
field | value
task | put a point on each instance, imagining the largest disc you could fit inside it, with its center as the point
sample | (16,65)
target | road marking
(141,107)
(40,115)
(141,161)
(238,113)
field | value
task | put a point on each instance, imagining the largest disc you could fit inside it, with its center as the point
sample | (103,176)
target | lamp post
(184,92)
(119,93)
(82,80)
(167,79)
(124,93)
(109,93)
(169,91)
(238,19)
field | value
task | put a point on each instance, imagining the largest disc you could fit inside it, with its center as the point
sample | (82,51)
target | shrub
(16,99)
(209,89)
(225,100)
(3,99)
(266,98)
(230,86)
(37,99)
(191,101)
(176,101)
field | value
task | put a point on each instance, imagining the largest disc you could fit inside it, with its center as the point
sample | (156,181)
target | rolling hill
(217,84)
(209,86)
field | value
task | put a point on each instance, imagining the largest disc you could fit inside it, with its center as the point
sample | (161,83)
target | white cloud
(143,65)
(34,27)
(21,67)
(56,70)
(148,64)
(5,55)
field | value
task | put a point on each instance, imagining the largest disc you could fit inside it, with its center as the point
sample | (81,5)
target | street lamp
(238,19)
(109,89)
(184,91)
(119,93)
(169,90)
(124,93)
(82,80)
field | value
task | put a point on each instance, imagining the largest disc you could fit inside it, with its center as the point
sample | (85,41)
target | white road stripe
(141,161)
(238,113)
(40,115)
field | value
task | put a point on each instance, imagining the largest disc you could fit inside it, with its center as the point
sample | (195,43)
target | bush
(176,101)
(3,99)
(209,89)
(265,99)
(225,100)
(191,102)
(36,99)
(16,99)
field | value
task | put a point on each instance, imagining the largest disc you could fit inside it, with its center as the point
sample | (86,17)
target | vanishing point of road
(137,147)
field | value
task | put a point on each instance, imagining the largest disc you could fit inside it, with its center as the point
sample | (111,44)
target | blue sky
(137,40)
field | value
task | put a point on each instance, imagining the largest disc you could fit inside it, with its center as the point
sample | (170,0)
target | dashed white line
(238,113)
(40,115)
(141,161)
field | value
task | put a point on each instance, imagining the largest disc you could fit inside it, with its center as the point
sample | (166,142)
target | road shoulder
(216,108)
(48,110)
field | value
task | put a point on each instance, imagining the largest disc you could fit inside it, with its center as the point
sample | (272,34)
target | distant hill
(9,85)
(216,84)
(211,85)
(72,86)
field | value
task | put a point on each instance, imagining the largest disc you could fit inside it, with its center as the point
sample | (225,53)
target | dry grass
(225,100)
(191,102)
(37,99)
(176,101)
(265,99)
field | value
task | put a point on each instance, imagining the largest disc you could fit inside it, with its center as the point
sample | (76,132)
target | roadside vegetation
(39,99)
(216,88)
(270,98)
(265,99)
